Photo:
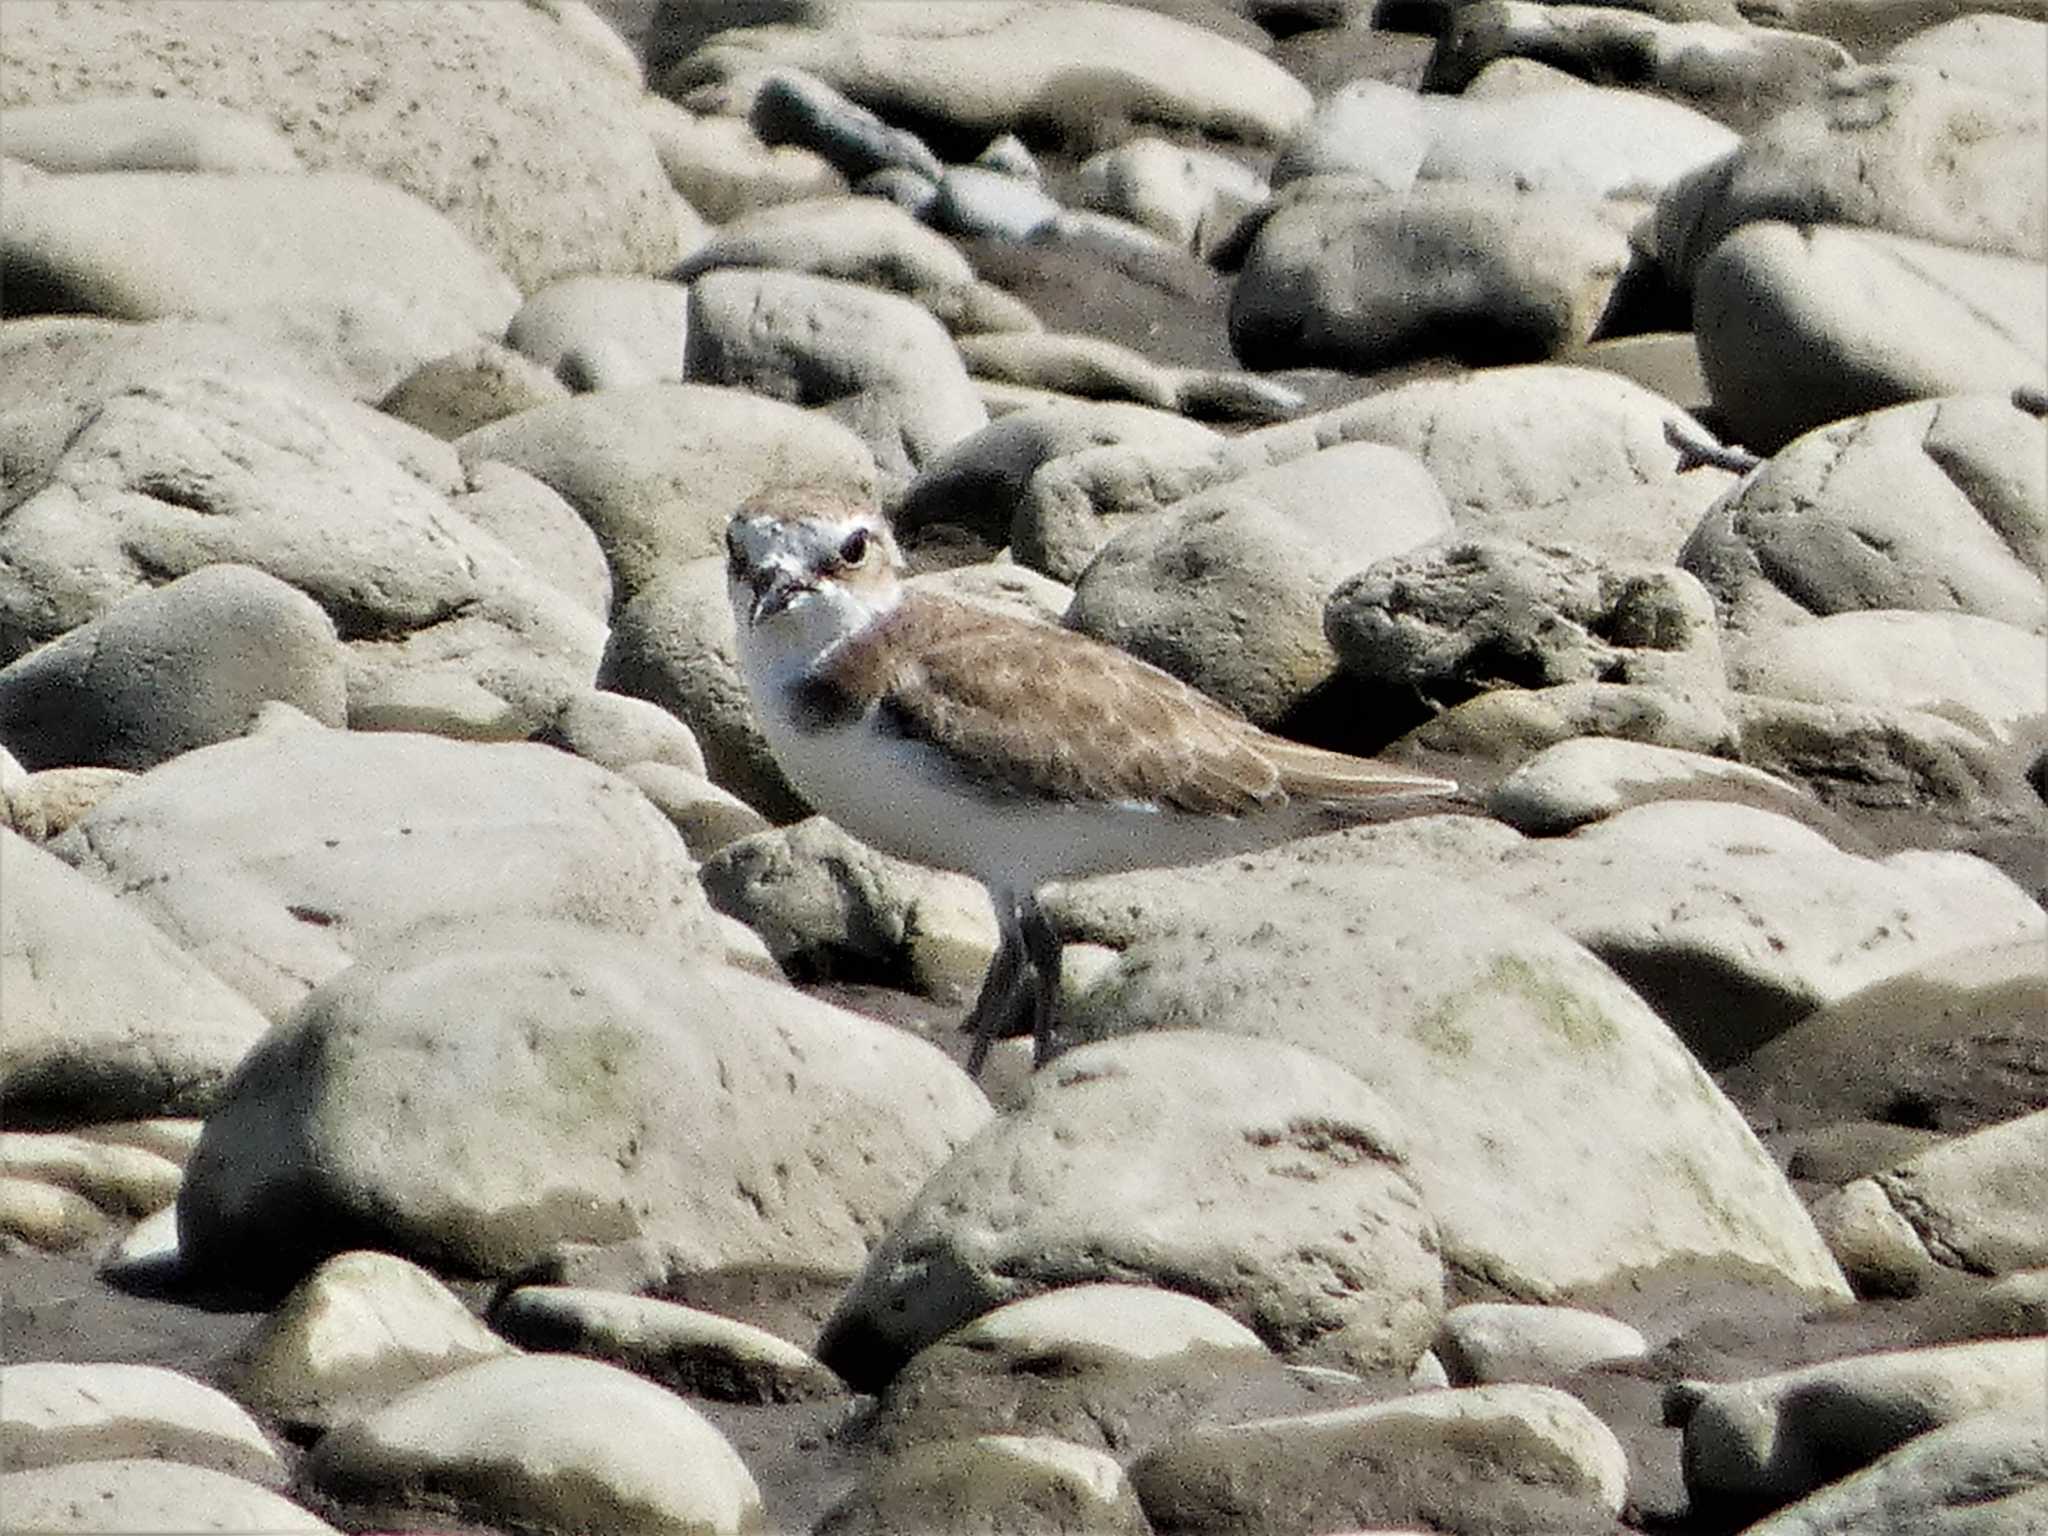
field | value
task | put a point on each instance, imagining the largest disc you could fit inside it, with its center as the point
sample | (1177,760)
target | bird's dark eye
(855,549)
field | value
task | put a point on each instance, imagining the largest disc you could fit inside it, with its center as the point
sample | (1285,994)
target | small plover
(1017,752)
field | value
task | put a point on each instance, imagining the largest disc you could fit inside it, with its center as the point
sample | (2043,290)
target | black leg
(1042,944)
(1006,991)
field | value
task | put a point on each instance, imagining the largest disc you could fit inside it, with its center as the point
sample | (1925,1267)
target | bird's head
(804,568)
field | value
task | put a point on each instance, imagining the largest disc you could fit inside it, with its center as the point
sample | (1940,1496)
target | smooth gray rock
(985,66)
(145,1497)
(361,280)
(541,1442)
(1500,440)
(534,521)
(2000,53)
(1884,147)
(1075,503)
(1584,779)
(1734,922)
(977,203)
(827,905)
(1294,1172)
(1774,1438)
(600,332)
(282,858)
(1740,75)
(1800,326)
(1191,197)
(878,364)
(1020,1483)
(1501,1341)
(106,1016)
(1980,673)
(1073,365)
(1474,1021)
(558,1085)
(469,388)
(1576,143)
(673,645)
(980,482)
(793,107)
(723,167)
(143,133)
(1939,506)
(1226,589)
(183,666)
(656,471)
(1530,1457)
(1983,1476)
(691,1352)
(860,239)
(545,169)
(1342,277)
(1977,1202)
(360,1330)
(51,1413)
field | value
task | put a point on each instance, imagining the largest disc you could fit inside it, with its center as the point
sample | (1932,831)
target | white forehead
(758,535)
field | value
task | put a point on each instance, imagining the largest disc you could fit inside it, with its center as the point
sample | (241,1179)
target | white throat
(782,648)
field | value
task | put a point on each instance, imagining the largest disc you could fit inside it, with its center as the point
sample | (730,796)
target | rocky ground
(449,1084)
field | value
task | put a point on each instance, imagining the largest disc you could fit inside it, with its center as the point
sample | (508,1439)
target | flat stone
(1775,1438)
(106,1015)
(1786,348)
(357,1332)
(1565,786)
(184,665)
(1025,1484)
(541,1441)
(1273,1235)
(281,858)
(878,364)
(124,1181)
(1032,65)
(1940,506)
(1985,1475)
(1978,1201)
(56,1413)
(144,133)
(655,471)
(1533,1453)
(689,1351)
(1734,922)
(559,1085)
(145,1497)
(1501,1341)
(362,280)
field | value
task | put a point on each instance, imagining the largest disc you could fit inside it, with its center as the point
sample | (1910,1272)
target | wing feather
(1041,712)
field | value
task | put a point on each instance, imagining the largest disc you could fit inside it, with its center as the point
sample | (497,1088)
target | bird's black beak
(774,590)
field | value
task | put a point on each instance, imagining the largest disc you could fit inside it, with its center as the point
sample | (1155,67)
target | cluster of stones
(396,894)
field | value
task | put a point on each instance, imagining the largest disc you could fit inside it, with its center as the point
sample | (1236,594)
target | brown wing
(1037,710)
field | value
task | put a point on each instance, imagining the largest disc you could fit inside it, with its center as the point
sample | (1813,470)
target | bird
(1014,751)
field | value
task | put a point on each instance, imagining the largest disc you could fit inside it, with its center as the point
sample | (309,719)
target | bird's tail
(1331,778)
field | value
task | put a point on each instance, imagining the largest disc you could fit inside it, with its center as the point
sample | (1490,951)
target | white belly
(903,798)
